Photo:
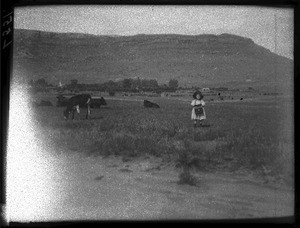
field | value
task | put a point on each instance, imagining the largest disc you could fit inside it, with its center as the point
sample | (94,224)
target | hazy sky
(257,23)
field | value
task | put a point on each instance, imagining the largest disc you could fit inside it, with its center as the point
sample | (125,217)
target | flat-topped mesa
(203,58)
(171,41)
(140,38)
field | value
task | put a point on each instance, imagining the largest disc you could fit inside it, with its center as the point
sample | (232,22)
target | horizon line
(138,34)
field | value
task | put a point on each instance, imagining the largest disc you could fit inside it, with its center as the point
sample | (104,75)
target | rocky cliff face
(193,60)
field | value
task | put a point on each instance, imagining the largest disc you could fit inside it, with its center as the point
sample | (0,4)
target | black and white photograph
(150,112)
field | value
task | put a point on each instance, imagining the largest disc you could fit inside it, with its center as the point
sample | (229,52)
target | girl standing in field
(198,112)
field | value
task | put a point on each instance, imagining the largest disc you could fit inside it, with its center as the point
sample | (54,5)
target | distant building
(205,89)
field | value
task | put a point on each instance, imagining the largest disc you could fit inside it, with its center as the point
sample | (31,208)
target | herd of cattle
(74,104)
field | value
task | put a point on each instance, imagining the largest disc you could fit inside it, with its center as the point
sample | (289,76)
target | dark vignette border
(7,11)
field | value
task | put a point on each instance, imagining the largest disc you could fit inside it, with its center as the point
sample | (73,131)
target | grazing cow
(96,103)
(75,102)
(148,104)
(45,103)
(61,101)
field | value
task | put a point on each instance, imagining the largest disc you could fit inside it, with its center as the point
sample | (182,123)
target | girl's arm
(202,102)
(193,103)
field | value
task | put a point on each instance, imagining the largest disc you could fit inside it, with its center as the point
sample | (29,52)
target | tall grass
(238,138)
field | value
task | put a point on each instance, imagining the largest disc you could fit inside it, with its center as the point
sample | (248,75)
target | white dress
(198,117)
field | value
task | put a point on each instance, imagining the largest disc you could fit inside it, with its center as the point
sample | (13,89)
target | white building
(205,89)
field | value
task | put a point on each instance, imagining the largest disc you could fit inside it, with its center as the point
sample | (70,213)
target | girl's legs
(195,123)
(201,122)
(198,121)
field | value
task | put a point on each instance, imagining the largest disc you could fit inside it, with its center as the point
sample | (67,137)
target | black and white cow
(75,102)
(149,104)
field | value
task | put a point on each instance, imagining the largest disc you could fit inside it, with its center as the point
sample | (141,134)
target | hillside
(200,60)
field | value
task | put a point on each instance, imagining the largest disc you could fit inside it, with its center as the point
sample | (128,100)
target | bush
(111,93)
(187,178)
(184,162)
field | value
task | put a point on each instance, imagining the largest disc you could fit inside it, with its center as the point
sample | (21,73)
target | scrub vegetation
(246,136)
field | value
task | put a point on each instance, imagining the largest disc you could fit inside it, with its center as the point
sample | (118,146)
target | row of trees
(125,85)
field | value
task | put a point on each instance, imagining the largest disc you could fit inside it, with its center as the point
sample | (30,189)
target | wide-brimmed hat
(198,92)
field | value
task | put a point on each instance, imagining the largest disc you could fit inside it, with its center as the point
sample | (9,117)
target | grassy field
(243,136)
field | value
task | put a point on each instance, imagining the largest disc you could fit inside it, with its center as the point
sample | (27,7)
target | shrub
(187,178)
(111,93)
(184,162)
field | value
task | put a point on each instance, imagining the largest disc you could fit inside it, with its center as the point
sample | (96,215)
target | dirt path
(95,189)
